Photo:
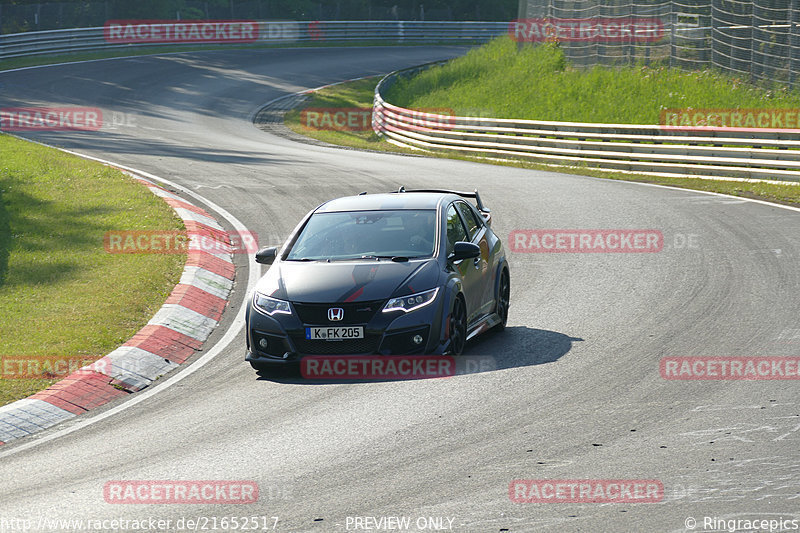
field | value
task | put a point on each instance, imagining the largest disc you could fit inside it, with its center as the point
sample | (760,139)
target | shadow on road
(517,346)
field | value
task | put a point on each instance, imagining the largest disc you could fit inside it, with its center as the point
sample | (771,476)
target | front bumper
(280,339)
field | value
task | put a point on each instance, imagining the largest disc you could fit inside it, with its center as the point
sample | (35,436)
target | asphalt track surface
(577,392)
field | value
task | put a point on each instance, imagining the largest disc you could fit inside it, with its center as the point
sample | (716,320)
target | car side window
(455,229)
(473,224)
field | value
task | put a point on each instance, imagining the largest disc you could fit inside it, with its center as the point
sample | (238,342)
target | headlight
(412,301)
(267,304)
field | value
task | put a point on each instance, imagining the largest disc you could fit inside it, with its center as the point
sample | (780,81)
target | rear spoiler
(485,211)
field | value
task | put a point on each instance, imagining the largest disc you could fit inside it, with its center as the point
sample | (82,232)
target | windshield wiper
(302,259)
(395,258)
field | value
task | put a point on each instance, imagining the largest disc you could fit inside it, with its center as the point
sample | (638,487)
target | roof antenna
(362,193)
(402,188)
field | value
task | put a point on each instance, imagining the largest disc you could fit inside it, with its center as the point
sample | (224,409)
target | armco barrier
(270,32)
(644,149)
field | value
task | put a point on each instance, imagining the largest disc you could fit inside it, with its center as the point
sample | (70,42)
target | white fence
(273,32)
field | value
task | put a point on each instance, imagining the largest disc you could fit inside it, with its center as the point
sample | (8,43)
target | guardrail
(270,32)
(643,149)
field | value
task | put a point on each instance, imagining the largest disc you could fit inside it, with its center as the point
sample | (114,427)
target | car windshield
(366,234)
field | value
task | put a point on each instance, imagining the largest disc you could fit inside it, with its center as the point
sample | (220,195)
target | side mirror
(266,256)
(465,250)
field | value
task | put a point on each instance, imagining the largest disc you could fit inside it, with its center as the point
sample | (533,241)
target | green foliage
(535,82)
(355,94)
(61,293)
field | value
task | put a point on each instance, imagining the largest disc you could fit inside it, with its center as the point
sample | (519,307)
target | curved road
(577,392)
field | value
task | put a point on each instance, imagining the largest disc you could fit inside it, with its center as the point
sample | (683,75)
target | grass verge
(61,295)
(360,93)
(350,95)
(536,82)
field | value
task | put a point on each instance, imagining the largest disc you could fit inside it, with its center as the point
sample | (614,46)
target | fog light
(263,343)
(417,339)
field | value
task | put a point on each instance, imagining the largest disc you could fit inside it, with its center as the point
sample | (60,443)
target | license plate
(335,334)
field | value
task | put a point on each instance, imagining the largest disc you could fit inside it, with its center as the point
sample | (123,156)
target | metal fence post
(522,13)
(713,33)
(673,51)
(753,75)
(792,40)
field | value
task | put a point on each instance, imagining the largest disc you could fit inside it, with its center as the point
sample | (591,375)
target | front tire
(457,326)
(503,300)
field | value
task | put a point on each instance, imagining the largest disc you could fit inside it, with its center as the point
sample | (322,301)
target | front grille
(367,345)
(354,312)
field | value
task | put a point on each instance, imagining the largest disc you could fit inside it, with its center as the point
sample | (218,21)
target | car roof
(372,202)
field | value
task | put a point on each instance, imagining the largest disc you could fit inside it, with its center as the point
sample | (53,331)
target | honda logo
(335,314)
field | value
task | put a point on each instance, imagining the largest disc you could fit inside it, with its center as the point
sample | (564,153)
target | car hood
(347,281)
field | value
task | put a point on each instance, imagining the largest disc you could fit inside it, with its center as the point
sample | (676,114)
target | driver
(420,227)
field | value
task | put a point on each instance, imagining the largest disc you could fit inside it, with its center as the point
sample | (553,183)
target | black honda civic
(409,272)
